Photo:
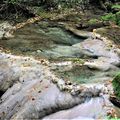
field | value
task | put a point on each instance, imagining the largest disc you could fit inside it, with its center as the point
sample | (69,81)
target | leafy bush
(92,21)
(109,17)
(116,85)
(116,6)
(118,18)
(11,1)
(112,17)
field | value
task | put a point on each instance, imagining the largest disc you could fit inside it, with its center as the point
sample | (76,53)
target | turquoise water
(38,38)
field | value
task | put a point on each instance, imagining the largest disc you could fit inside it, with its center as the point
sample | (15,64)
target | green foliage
(11,1)
(109,17)
(116,6)
(118,18)
(92,21)
(76,60)
(112,17)
(110,118)
(116,85)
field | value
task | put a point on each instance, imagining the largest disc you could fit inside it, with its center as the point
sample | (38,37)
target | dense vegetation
(13,9)
(104,4)
(116,85)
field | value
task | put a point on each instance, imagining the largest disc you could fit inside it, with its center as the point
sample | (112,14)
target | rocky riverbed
(64,68)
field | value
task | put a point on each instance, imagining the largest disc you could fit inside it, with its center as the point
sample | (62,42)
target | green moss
(92,21)
(118,18)
(111,118)
(112,17)
(116,85)
(116,6)
(109,17)
(44,14)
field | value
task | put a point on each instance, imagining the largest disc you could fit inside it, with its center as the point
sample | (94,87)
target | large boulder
(32,91)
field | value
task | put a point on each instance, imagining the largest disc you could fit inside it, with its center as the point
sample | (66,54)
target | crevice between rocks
(1,93)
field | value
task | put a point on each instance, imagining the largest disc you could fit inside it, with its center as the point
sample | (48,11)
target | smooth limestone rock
(30,91)
(106,57)
(102,64)
(7,76)
(80,33)
(82,111)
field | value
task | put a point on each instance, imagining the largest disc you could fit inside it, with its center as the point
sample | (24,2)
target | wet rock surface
(80,112)
(28,96)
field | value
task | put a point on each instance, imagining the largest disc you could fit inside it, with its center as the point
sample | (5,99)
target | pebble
(39,51)
(68,82)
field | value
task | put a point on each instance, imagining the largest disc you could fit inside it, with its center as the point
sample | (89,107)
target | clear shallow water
(84,75)
(37,38)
